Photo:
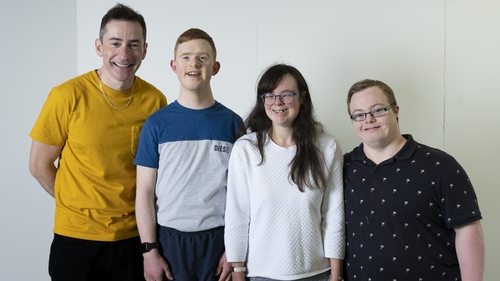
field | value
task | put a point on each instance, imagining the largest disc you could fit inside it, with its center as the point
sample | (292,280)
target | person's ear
(302,96)
(98,47)
(145,50)
(395,109)
(173,65)
(216,68)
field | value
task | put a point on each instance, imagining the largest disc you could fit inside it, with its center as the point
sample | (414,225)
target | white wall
(441,57)
(471,134)
(38,51)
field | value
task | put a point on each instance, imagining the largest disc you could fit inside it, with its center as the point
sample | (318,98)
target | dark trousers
(192,255)
(73,259)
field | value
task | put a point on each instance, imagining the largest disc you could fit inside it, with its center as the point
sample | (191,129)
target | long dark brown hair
(307,166)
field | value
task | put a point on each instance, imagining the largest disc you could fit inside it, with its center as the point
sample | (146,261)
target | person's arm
(336,271)
(155,266)
(333,221)
(237,213)
(470,250)
(42,157)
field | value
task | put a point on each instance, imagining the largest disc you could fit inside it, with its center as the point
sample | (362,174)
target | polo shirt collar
(404,153)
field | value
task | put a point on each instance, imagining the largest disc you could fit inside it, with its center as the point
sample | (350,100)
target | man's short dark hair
(122,12)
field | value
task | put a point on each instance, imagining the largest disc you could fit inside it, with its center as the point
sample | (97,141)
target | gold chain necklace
(110,103)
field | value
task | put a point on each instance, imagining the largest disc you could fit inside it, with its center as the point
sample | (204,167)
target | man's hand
(155,267)
(223,269)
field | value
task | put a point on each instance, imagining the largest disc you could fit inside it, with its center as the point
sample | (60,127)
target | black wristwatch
(146,247)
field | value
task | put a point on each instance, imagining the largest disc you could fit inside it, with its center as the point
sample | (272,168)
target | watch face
(146,247)
(143,248)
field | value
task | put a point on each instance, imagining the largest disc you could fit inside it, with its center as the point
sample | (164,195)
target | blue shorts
(192,255)
(85,260)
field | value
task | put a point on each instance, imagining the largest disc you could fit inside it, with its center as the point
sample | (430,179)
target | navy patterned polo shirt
(400,214)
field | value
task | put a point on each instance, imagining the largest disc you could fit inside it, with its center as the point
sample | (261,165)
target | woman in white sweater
(284,209)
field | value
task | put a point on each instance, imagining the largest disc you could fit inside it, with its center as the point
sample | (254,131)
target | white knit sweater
(280,232)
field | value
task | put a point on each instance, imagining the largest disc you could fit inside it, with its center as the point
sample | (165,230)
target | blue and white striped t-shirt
(190,148)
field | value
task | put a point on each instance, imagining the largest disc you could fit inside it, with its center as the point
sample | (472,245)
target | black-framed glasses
(286,97)
(377,112)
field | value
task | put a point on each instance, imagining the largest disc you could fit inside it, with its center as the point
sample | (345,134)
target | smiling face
(195,65)
(281,114)
(122,49)
(377,132)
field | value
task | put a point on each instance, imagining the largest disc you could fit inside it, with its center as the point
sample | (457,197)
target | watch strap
(239,269)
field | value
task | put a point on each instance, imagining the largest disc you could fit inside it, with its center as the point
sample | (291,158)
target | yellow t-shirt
(95,181)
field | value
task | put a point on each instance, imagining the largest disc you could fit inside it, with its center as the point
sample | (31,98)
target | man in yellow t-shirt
(91,125)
